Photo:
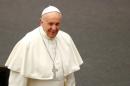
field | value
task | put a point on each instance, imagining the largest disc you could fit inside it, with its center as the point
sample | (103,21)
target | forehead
(52,16)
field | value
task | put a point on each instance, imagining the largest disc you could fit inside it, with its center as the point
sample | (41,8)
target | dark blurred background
(99,28)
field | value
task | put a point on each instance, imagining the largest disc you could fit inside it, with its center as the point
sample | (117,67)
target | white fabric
(50,9)
(16,79)
(30,57)
(51,46)
(70,80)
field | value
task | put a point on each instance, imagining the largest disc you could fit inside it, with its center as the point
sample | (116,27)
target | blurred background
(99,28)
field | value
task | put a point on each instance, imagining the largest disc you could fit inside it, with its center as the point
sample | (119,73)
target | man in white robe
(46,56)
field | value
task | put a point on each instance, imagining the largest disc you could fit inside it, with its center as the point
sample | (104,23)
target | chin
(52,36)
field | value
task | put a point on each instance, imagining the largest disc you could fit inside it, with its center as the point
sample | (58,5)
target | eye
(57,24)
(50,23)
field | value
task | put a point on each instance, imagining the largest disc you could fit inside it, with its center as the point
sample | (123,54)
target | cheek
(57,29)
(46,27)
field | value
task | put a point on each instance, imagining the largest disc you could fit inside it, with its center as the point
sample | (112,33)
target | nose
(54,27)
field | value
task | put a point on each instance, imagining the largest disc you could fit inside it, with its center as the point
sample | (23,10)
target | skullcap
(50,9)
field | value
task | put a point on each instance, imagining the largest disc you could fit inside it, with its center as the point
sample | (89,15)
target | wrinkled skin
(51,23)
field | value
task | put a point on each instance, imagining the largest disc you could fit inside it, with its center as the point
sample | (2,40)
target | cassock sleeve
(16,79)
(70,80)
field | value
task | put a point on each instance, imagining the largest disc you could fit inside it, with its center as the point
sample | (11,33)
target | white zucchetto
(50,9)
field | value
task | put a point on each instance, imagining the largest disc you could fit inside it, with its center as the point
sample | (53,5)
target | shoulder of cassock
(30,58)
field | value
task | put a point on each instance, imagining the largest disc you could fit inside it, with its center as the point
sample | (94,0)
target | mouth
(52,34)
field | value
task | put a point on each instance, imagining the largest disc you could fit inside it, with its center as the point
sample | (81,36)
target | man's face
(51,23)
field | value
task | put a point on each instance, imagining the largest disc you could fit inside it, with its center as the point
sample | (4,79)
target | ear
(41,21)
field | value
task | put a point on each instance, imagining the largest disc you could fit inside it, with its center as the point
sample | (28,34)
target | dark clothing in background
(4,74)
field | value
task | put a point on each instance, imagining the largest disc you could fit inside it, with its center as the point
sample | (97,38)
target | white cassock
(31,60)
